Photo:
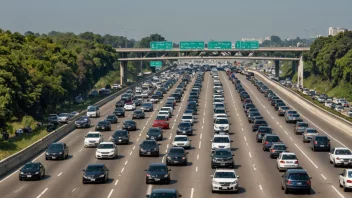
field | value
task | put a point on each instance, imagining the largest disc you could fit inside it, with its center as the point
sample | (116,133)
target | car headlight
(60,153)
(21,173)
(234,183)
(142,150)
(216,183)
(84,176)
(156,149)
(214,160)
(102,175)
(46,153)
(166,175)
(168,157)
(147,136)
(216,127)
(36,172)
(159,135)
(98,152)
(111,152)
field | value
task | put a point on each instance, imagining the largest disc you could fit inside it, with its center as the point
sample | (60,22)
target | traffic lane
(327,173)
(326,127)
(320,185)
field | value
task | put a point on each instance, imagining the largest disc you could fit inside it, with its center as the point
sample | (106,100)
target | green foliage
(28,121)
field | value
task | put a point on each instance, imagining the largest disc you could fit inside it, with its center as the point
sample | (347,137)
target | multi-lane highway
(259,176)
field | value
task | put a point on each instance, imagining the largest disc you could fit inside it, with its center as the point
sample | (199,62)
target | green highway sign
(247,45)
(219,45)
(161,45)
(156,63)
(190,45)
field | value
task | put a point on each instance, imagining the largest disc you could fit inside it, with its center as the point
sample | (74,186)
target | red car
(162,122)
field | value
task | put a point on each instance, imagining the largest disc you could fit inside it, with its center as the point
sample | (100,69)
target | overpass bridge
(262,53)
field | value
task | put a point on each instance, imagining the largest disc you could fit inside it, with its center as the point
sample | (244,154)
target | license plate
(103,127)
(322,145)
(222,164)
(299,183)
(120,140)
(92,179)
(29,175)
(225,188)
(289,162)
(148,153)
(53,157)
(157,179)
(175,161)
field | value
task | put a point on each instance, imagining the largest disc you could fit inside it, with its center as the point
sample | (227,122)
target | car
(187,118)
(296,180)
(257,123)
(106,150)
(221,124)
(181,141)
(340,156)
(32,170)
(121,137)
(167,108)
(103,126)
(276,149)
(163,192)
(82,122)
(147,107)
(251,110)
(52,126)
(157,173)
(138,114)
(95,173)
(129,125)
(261,132)
(308,134)
(93,139)
(339,108)
(162,122)
(93,111)
(300,127)
(281,111)
(225,180)
(154,99)
(165,113)
(120,103)
(176,155)
(112,119)
(119,111)
(320,142)
(64,117)
(222,158)
(269,140)
(57,150)
(129,106)
(138,102)
(293,118)
(116,86)
(220,141)
(185,128)
(287,160)
(155,133)
(149,148)
(53,118)
(345,180)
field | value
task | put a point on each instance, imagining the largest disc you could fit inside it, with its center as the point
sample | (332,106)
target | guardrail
(339,118)
(16,160)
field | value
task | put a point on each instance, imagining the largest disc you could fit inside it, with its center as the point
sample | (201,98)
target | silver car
(308,134)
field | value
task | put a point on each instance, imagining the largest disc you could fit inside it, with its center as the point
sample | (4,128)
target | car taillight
(315,142)
(282,162)
(289,182)
(308,182)
(338,158)
(349,181)
(296,162)
(148,175)
(272,150)
(266,142)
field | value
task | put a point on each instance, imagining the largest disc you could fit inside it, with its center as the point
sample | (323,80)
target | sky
(178,20)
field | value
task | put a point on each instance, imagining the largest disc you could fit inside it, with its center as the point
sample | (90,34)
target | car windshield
(120,133)
(222,121)
(146,105)
(262,122)
(250,105)
(289,157)
(311,131)
(299,176)
(349,174)
(223,153)
(149,143)
(291,112)
(187,117)
(119,109)
(161,118)
(224,175)
(185,124)
(94,169)
(129,122)
(264,130)
(55,147)
(295,115)
(302,124)
(183,139)
(138,112)
(343,152)
(273,139)
(221,140)
(217,111)
(64,115)
(285,108)
(176,151)
(280,147)
(110,117)
(106,146)
(92,109)
(163,195)
(93,135)
(102,123)
(83,119)
(157,168)
(321,138)
(31,167)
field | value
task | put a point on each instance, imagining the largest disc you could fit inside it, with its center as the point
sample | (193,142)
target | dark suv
(57,150)
(258,123)
(222,158)
(157,173)
(167,193)
(121,137)
(176,155)
(269,140)
(320,142)
(262,131)
(296,180)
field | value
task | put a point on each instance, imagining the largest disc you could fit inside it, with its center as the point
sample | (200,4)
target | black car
(57,150)
(138,114)
(261,132)
(252,115)
(95,173)
(119,111)
(52,126)
(148,107)
(320,142)
(176,155)
(138,102)
(185,128)
(155,133)
(82,122)
(278,105)
(296,180)
(248,106)
(149,148)
(121,137)
(103,126)
(258,123)
(112,119)
(120,103)
(157,173)
(129,125)
(222,158)
(164,193)
(32,170)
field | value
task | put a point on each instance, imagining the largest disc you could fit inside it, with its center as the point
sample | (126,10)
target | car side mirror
(180,195)
(282,175)
(341,174)
(145,170)
(310,177)
(159,144)
(238,176)
(83,170)
(233,154)
(211,140)
(187,153)
(169,169)
(148,196)
(231,140)
(211,176)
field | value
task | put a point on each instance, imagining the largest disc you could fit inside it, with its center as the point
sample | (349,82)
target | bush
(108,86)
(28,121)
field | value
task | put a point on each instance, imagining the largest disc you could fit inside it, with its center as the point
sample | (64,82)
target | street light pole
(306,35)
(316,33)
(126,34)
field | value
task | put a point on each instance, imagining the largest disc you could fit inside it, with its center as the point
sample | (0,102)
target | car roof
(187,114)
(287,153)
(225,170)
(107,143)
(181,136)
(164,190)
(95,164)
(344,148)
(93,132)
(218,135)
(177,148)
(157,164)
(223,149)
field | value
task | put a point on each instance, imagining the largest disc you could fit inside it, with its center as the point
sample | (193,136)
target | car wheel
(186,162)
(286,191)
(330,161)
(83,182)
(340,184)
(212,191)
(308,192)
(146,181)
(344,188)
(313,148)
(335,165)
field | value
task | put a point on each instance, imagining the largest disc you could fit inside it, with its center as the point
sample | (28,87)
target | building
(333,31)
(260,40)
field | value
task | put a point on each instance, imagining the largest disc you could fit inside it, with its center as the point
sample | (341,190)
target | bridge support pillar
(123,72)
(300,72)
(277,68)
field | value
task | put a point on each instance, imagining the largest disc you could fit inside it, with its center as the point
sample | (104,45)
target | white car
(169,109)
(116,86)
(220,141)
(321,100)
(145,94)
(340,156)
(287,160)
(328,104)
(219,116)
(93,111)
(164,113)
(93,139)
(345,179)
(64,117)
(129,106)
(221,124)
(218,111)
(106,150)
(182,141)
(187,118)
(224,180)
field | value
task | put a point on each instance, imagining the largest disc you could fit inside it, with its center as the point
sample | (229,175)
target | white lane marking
(42,192)
(291,138)
(277,123)
(247,143)
(280,126)
(197,169)
(307,156)
(162,160)
(337,191)
(197,156)
(242,129)
(323,176)
(170,137)
(250,155)
(126,162)
(123,168)
(149,189)
(140,134)
(117,181)
(240,119)
(112,190)
(192,191)
(286,132)
(245,139)
(254,168)
(109,138)
(272,117)
(241,123)
(59,174)
(134,147)
(260,187)
(202,126)
(201,136)
(200,144)
(167,146)
(131,153)
(203,120)
(238,115)
(166,151)
(74,190)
